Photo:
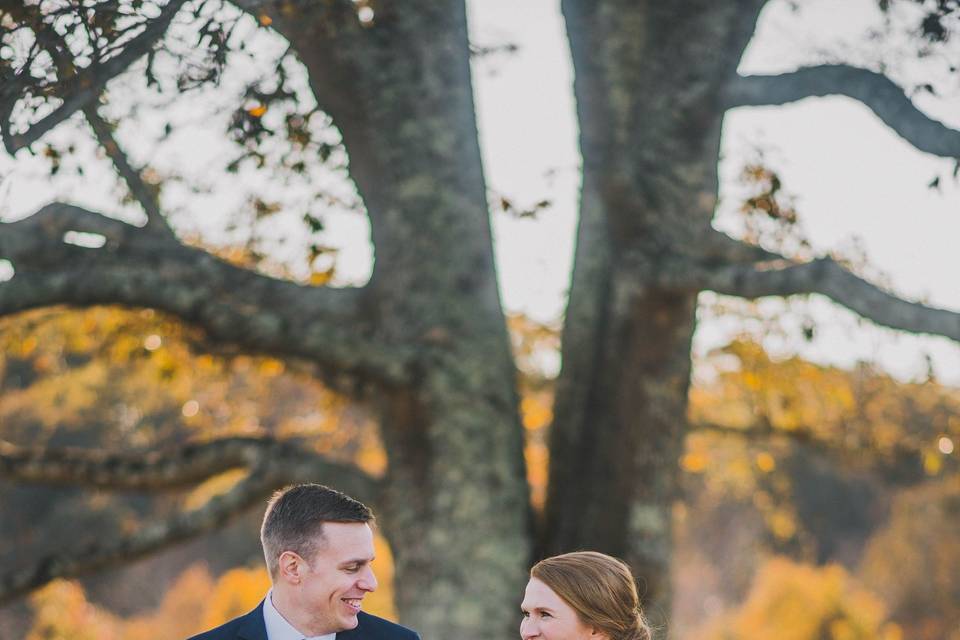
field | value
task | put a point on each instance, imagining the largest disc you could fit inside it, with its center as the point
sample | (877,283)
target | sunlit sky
(852,177)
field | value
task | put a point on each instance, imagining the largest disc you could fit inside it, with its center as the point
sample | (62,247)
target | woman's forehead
(538,594)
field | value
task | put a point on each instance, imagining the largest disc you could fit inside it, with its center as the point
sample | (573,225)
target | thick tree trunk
(619,426)
(456,507)
(650,140)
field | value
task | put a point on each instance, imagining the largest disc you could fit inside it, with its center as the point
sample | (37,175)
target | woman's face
(547,617)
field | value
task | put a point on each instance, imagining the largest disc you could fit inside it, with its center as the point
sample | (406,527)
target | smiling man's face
(338,578)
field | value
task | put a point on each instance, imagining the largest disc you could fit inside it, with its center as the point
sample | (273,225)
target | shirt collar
(279,629)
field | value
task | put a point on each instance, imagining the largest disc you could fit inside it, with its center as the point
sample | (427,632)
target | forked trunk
(649,78)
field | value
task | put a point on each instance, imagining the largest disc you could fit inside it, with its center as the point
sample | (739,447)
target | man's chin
(349,622)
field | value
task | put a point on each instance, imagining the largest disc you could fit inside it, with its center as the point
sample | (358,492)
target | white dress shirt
(279,629)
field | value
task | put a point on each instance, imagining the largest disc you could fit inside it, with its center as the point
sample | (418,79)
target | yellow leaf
(28,345)
(215,486)
(235,593)
(321,278)
(782,524)
(538,472)
(271,367)
(765,462)
(372,460)
(695,462)
(536,412)
(932,463)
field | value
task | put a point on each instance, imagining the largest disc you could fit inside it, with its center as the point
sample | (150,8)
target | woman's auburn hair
(600,588)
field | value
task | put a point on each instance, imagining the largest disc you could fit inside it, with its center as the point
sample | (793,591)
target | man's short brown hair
(294,520)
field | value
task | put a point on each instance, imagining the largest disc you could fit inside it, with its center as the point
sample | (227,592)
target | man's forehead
(347,539)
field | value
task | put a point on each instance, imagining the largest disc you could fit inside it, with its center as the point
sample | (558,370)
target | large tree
(424,341)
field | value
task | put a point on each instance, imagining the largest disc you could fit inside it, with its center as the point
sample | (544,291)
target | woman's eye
(525,614)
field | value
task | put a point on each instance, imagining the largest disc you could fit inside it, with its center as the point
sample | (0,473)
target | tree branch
(826,277)
(875,90)
(109,551)
(86,86)
(716,247)
(178,468)
(138,188)
(763,430)
(140,268)
(56,46)
(272,464)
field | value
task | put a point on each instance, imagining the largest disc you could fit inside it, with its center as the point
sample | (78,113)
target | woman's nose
(528,629)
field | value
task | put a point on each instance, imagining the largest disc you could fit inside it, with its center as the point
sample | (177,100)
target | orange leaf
(321,278)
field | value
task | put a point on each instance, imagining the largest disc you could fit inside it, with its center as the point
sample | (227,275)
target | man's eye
(352,568)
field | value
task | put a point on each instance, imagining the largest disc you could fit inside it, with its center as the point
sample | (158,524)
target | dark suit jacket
(251,627)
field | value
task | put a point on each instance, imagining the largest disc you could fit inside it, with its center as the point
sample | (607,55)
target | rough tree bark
(456,503)
(425,339)
(650,137)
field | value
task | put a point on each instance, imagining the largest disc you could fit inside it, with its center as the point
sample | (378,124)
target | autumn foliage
(760,554)
(791,601)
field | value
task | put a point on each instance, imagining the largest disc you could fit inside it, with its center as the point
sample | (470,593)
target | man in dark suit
(318,546)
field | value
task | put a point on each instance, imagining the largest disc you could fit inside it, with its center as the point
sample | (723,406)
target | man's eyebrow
(358,561)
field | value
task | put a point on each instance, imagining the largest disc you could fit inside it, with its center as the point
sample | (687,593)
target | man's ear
(291,567)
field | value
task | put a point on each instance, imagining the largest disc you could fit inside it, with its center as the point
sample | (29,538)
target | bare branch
(177,468)
(272,464)
(717,247)
(109,551)
(874,90)
(23,241)
(138,188)
(86,86)
(764,430)
(57,47)
(139,268)
(826,277)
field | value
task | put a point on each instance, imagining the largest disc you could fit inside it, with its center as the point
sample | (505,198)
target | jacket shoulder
(251,623)
(223,632)
(378,628)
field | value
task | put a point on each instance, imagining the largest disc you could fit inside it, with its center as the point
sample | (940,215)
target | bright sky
(853,178)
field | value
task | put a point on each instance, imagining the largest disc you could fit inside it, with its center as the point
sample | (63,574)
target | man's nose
(368,581)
